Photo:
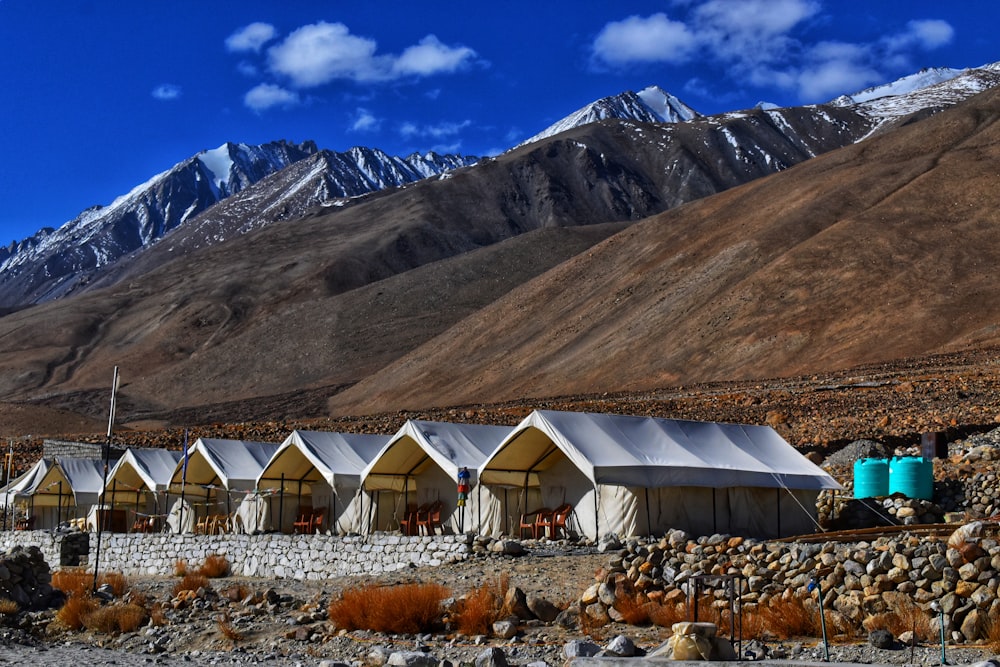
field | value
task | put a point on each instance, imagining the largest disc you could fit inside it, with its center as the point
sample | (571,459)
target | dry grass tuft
(117,581)
(665,615)
(404,609)
(482,607)
(228,630)
(180,567)
(903,616)
(156,615)
(785,618)
(8,607)
(215,566)
(115,619)
(992,631)
(79,582)
(75,609)
(191,582)
(73,581)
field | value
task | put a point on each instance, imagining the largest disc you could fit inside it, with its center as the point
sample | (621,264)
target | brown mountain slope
(194,335)
(873,252)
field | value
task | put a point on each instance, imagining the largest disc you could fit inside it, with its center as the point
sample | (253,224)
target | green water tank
(871,478)
(913,476)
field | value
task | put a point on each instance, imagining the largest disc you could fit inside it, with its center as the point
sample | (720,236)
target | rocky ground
(291,629)
(889,404)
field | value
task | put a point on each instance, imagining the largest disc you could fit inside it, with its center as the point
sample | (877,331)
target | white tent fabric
(215,469)
(642,475)
(252,516)
(143,470)
(57,489)
(325,466)
(180,519)
(420,464)
(139,482)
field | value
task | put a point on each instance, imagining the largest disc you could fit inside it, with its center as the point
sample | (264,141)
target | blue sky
(99,95)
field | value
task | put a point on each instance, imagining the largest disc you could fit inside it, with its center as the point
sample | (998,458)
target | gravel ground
(192,636)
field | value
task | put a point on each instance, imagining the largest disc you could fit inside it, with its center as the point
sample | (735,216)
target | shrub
(215,566)
(115,618)
(117,582)
(191,582)
(156,615)
(482,607)
(75,609)
(8,607)
(903,615)
(228,630)
(787,617)
(73,581)
(180,567)
(79,582)
(403,609)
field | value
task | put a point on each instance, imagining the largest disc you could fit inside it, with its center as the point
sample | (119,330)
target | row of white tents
(621,474)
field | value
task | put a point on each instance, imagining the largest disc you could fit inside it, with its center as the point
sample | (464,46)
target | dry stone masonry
(859,579)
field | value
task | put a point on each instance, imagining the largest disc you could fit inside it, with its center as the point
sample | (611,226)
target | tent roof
(227,462)
(311,456)
(653,452)
(449,446)
(144,469)
(81,478)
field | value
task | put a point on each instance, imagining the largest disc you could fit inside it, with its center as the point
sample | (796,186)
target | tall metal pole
(107,457)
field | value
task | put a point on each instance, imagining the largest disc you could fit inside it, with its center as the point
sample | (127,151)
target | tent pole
(114,488)
(479,506)
(597,520)
(136,508)
(777,502)
(59,506)
(715,518)
(281,505)
(649,524)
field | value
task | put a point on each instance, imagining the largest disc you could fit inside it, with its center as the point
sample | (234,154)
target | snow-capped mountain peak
(651,105)
(902,86)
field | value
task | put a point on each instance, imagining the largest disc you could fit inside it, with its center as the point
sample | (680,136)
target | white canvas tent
(420,464)
(216,469)
(324,468)
(55,490)
(645,475)
(139,482)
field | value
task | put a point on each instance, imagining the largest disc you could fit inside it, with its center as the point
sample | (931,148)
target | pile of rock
(895,510)
(858,579)
(25,579)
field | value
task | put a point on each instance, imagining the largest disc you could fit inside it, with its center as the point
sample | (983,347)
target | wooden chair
(303,523)
(316,520)
(408,524)
(556,521)
(430,519)
(530,522)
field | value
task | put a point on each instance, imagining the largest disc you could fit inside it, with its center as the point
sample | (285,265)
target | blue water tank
(913,476)
(871,478)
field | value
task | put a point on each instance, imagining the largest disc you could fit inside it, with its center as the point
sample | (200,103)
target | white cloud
(637,39)
(834,68)
(926,34)
(167,91)
(364,121)
(430,56)
(439,131)
(319,53)
(763,43)
(267,95)
(251,37)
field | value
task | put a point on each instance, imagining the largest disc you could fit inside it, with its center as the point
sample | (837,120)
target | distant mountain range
(254,275)
(54,263)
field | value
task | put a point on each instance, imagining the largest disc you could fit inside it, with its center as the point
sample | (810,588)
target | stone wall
(79,450)
(275,555)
